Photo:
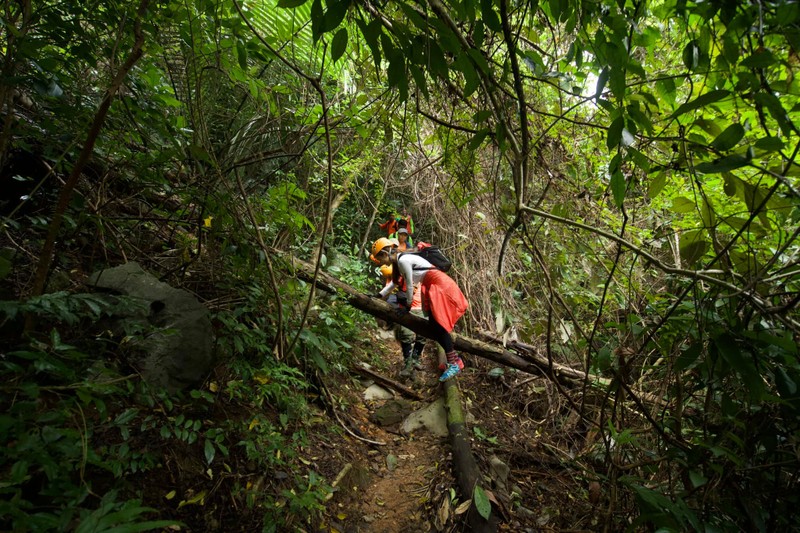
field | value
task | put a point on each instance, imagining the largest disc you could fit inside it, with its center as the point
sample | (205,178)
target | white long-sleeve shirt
(413,268)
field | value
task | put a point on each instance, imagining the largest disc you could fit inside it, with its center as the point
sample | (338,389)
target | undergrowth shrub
(57,398)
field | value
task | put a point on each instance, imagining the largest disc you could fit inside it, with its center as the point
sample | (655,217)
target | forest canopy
(616,183)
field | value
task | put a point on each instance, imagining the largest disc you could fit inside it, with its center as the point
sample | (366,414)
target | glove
(377,295)
(401,311)
(402,299)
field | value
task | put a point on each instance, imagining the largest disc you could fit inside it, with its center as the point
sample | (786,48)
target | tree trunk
(46,257)
(380,309)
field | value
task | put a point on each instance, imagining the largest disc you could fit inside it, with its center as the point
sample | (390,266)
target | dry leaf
(461,509)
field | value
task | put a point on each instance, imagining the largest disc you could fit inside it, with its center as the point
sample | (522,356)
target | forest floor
(408,484)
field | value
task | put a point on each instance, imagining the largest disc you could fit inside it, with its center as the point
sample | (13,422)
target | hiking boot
(408,369)
(459,362)
(416,354)
(450,372)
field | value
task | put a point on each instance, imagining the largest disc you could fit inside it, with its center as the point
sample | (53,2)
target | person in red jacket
(442,300)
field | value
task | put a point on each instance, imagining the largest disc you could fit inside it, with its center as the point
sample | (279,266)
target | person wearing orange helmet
(442,300)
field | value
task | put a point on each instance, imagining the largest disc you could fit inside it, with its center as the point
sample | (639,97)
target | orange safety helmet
(379,245)
(386,270)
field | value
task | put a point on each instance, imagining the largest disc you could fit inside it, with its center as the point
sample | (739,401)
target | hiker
(442,300)
(405,244)
(395,222)
(411,344)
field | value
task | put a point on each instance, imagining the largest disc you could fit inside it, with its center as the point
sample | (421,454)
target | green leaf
(656,185)
(724,164)
(210,451)
(786,386)
(334,16)
(770,144)
(693,246)
(701,101)
(490,16)
(482,503)
(761,59)
(241,54)
(728,138)
(666,89)
(771,102)
(477,139)
(618,188)
(339,44)
(615,133)
(697,478)
(681,204)
(741,363)
(691,55)
(602,79)
(397,75)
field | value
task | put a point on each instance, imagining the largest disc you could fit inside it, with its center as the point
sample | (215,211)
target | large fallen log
(378,308)
(465,468)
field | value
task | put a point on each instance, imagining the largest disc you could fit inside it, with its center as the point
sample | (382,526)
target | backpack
(433,255)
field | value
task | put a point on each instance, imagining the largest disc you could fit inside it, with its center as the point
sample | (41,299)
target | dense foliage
(616,182)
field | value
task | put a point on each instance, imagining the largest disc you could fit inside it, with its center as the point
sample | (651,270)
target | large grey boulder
(176,337)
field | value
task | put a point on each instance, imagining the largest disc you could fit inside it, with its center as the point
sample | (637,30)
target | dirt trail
(404,474)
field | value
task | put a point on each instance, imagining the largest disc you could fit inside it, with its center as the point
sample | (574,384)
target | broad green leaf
(771,102)
(666,89)
(210,451)
(724,164)
(656,184)
(291,4)
(618,188)
(787,387)
(615,133)
(334,15)
(693,246)
(339,44)
(742,363)
(682,204)
(419,79)
(396,74)
(701,101)
(691,55)
(617,83)
(241,54)
(534,61)
(707,213)
(697,478)
(490,16)
(761,59)
(770,144)
(482,503)
(728,138)
(477,139)
(602,79)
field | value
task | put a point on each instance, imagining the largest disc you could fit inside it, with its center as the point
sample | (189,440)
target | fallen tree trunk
(535,365)
(465,468)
